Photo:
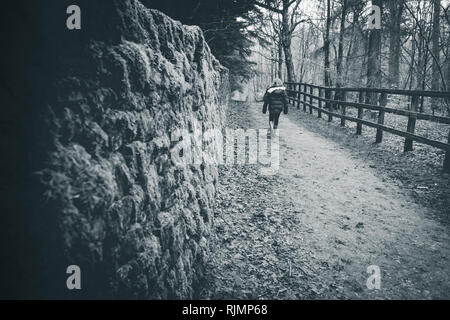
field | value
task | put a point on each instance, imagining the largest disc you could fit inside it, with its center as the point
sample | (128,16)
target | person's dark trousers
(274,117)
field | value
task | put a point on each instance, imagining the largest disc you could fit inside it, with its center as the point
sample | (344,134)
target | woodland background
(326,42)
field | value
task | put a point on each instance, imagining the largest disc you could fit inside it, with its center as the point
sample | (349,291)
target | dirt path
(312,231)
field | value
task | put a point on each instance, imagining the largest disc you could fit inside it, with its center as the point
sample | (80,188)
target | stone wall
(104,189)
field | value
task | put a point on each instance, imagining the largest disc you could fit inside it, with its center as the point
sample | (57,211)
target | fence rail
(303,94)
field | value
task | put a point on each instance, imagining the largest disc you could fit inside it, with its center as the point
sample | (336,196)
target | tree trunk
(436,76)
(341,45)
(411,64)
(272,65)
(373,59)
(447,101)
(280,60)
(420,60)
(286,40)
(395,12)
(326,47)
(358,49)
(435,85)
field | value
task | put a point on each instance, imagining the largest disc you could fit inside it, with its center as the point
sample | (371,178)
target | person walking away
(275,99)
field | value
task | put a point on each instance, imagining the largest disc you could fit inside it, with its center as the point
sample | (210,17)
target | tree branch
(268,7)
(441,73)
(295,25)
(291,3)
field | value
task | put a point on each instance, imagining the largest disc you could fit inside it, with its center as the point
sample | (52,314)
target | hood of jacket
(273,89)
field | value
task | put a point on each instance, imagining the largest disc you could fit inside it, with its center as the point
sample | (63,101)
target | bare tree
(288,9)
(395,18)
(326,48)
(340,58)
(373,58)
(435,83)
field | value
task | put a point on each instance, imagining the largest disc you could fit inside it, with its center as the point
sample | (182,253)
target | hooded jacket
(276,99)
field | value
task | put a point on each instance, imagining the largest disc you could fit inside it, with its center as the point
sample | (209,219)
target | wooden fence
(327,100)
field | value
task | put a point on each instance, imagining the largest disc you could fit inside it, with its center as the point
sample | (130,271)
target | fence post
(311,92)
(288,87)
(319,115)
(343,99)
(411,123)
(382,103)
(329,104)
(293,93)
(290,94)
(305,86)
(360,113)
(447,157)
(299,95)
